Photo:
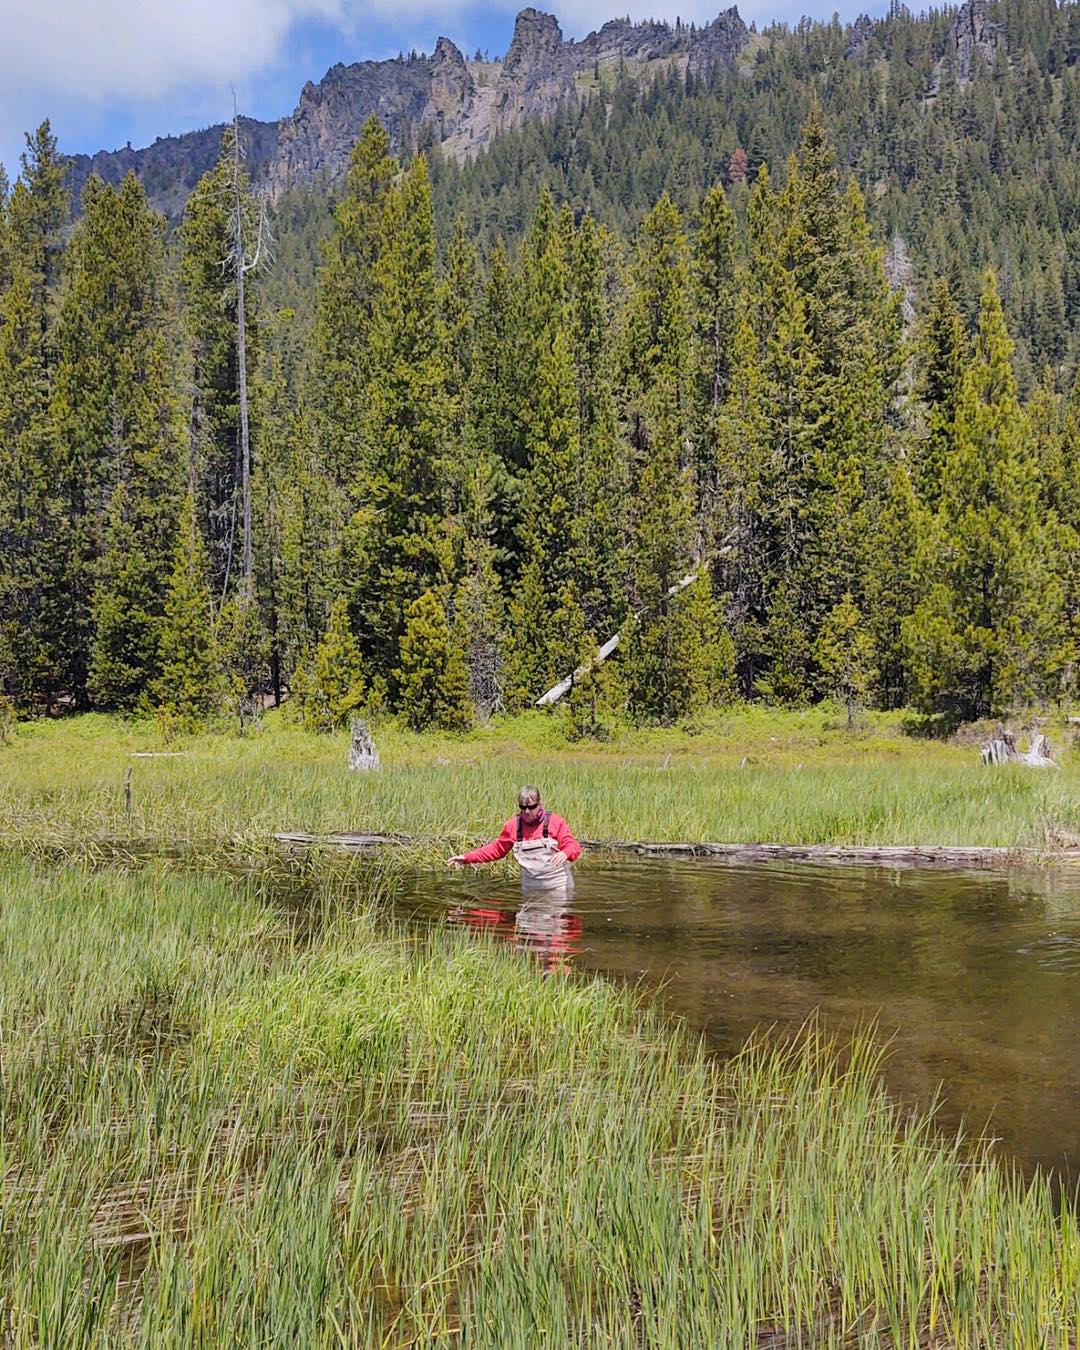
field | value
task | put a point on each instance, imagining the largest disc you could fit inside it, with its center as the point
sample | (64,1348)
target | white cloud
(106,70)
(105,50)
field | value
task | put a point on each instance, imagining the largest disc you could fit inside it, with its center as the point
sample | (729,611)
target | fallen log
(870,855)
(564,686)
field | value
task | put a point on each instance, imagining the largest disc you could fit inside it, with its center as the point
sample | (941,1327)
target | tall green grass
(219,1127)
(62,783)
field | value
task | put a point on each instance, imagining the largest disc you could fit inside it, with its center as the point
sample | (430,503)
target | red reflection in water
(542,926)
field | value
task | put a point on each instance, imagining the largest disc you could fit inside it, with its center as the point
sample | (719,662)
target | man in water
(540,841)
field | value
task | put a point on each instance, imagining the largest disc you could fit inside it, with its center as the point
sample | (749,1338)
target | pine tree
(401,545)
(898,568)
(942,355)
(819,358)
(845,653)
(596,703)
(329,686)
(126,610)
(32,536)
(599,485)
(479,630)
(432,680)
(308,578)
(348,283)
(539,652)
(657,658)
(1065,505)
(989,634)
(210,306)
(115,420)
(243,645)
(457,294)
(188,688)
(713,307)
(495,439)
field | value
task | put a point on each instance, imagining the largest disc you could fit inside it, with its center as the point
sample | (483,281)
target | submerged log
(870,855)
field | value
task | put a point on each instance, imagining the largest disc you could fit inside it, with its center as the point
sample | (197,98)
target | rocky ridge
(463,105)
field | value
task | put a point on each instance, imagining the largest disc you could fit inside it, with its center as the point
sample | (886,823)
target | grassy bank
(216,1131)
(744,775)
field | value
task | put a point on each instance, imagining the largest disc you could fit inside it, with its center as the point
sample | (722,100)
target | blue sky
(111,71)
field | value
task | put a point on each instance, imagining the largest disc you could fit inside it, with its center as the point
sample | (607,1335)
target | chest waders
(536,857)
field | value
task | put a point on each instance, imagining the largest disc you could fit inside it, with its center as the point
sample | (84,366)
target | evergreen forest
(775,380)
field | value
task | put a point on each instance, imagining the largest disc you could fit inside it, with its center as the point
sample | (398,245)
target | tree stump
(1038,754)
(362,752)
(1002,750)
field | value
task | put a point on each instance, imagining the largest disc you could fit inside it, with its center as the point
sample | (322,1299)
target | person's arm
(498,848)
(560,832)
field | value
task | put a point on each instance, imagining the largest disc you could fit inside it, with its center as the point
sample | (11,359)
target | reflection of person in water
(543,925)
(541,842)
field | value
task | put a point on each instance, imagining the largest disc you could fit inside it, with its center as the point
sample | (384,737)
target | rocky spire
(537,74)
(971,35)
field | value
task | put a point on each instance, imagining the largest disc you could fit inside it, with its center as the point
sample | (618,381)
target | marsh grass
(804,781)
(218,1128)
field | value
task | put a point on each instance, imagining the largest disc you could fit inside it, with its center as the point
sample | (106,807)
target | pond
(973,977)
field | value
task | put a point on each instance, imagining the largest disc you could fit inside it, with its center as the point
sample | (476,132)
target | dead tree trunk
(362,752)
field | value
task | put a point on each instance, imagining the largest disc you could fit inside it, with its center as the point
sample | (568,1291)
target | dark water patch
(972,975)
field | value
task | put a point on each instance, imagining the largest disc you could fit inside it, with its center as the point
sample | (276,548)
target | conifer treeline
(958,174)
(717,439)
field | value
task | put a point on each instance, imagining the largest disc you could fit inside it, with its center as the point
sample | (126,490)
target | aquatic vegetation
(229,1118)
(747,777)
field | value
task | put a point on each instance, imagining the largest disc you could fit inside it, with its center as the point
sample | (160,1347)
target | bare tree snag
(1002,750)
(362,752)
(564,686)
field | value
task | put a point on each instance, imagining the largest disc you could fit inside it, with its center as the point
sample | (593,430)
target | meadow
(745,775)
(222,1127)
(241,1104)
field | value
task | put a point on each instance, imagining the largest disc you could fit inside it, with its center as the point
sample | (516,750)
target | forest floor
(742,775)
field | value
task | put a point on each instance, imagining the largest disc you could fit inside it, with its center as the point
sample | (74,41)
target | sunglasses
(529,806)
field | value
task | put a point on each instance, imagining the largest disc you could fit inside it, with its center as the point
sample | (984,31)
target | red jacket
(499,848)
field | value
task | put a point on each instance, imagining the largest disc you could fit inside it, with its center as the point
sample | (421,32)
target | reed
(61,785)
(220,1125)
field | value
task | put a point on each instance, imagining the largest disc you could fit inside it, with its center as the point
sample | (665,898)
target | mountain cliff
(464,105)
(461,105)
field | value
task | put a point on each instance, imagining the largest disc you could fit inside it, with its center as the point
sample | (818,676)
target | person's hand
(458,861)
(560,857)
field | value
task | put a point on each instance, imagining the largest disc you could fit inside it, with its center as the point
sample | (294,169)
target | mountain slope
(442,98)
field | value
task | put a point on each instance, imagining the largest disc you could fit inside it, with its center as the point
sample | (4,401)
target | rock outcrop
(315,142)
(862,30)
(621,40)
(718,43)
(452,95)
(437,95)
(972,37)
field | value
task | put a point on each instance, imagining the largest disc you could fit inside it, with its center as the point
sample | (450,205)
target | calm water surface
(974,976)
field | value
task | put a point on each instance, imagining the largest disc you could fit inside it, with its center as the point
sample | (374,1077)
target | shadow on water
(972,976)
